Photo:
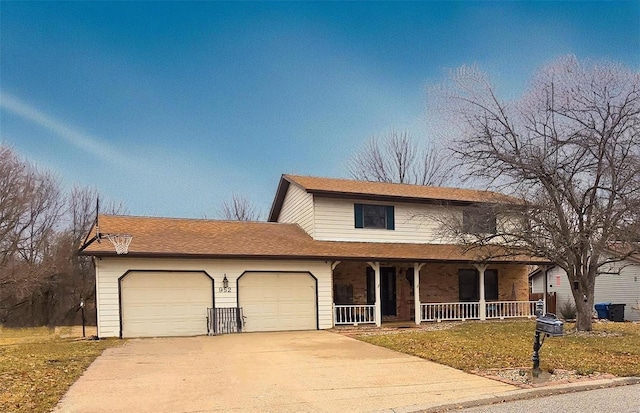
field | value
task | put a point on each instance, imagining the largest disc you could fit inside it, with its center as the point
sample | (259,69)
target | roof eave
(396,198)
(278,200)
(112,254)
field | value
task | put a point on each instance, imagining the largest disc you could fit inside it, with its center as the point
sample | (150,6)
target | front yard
(37,366)
(612,348)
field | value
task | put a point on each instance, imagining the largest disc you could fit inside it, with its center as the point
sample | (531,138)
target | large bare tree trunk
(585,280)
(584,306)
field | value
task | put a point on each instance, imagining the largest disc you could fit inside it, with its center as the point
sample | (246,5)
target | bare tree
(239,208)
(30,209)
(569,149)
(76,273)
(397,158)
(42,278)
(79,281)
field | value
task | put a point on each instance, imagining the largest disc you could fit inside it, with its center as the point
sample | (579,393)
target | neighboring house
(334,252)
(620,284)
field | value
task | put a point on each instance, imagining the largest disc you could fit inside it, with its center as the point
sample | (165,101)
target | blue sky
(169,107)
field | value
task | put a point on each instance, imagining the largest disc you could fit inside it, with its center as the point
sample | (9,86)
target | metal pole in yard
(83,323)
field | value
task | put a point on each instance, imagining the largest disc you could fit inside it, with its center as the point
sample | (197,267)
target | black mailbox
(550,325)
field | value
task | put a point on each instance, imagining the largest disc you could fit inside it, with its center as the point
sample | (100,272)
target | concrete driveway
(310,371)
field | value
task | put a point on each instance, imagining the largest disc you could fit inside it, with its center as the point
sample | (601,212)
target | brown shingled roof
(412,192)
(347,188)
(198,238)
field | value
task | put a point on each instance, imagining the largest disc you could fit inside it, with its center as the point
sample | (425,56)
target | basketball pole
(97,215)
(83,322)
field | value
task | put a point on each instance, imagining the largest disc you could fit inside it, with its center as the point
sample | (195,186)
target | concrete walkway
(311,371)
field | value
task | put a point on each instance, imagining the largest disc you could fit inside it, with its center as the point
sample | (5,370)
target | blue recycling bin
(603,310)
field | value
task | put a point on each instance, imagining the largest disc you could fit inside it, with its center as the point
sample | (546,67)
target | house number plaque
(225,285)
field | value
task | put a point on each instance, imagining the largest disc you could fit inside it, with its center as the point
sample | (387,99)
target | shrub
(568,310)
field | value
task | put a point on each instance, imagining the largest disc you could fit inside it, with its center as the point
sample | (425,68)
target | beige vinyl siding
(536,284)
(617,289)
(416,223)
(109,269)
(297,208)
(507,223)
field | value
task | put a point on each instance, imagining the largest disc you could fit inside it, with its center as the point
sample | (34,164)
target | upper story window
(374,216)
(479,221)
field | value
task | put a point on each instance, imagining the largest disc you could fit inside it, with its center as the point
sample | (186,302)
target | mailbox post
(547,325)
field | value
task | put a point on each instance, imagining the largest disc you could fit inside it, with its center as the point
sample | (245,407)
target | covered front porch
(373,292)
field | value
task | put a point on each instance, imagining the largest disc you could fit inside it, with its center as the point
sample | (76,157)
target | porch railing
(511,309)
(471,311)
(355,314)
(450,311)
(224,320)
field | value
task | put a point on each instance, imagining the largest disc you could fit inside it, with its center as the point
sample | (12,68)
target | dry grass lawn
(37,365)
(611,348)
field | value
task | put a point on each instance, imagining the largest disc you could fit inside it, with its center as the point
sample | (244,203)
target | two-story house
(333,251)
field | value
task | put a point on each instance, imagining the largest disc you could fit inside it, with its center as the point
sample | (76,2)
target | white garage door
(276,301)
(165,303)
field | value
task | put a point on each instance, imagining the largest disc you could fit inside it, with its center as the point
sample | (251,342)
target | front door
(387,289)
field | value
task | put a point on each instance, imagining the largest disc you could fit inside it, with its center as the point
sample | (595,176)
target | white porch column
(376,269)
(334,264)
(483,304)
(416,292)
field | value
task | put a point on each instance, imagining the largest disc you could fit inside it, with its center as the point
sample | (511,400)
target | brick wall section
(355,274)
(438,283)
(404,294)
(513,282)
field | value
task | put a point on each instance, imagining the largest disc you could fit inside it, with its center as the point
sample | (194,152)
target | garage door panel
(165,303)
(274,301)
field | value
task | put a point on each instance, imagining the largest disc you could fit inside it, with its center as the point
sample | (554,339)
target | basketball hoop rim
(120,241)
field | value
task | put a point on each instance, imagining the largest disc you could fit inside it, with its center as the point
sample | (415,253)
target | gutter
(106,254)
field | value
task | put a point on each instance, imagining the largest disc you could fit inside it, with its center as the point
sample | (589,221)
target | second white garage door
(278,301)
(165,303)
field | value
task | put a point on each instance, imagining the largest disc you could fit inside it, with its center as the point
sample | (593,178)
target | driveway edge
(524,394)
(521,394)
